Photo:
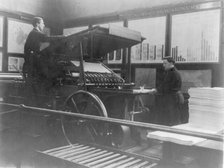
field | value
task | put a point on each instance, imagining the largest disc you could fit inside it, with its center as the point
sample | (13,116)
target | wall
(74,9)
(44,8)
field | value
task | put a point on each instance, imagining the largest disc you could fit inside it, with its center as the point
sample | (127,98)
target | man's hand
(154,90)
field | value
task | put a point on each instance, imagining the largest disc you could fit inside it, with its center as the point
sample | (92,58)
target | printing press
(72,77)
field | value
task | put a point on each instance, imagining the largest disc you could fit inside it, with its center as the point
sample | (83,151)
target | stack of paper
(206,115)
(204,96)
(175,138)
(206,107)
(143,91)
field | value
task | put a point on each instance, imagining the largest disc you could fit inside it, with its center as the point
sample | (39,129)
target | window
(0,61)
(195,36)
(152,49)
(15,64)
(17,35)
(1,31)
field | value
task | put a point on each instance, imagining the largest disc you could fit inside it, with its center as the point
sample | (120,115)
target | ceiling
(62,11)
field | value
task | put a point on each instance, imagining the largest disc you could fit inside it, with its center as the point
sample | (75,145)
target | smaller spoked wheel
(79,129)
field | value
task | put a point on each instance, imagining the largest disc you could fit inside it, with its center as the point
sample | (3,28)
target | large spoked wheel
(76,129)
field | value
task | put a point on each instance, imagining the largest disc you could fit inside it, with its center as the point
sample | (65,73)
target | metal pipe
(216,137)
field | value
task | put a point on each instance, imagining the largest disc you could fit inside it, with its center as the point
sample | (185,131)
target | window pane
(195,36)
(152,48)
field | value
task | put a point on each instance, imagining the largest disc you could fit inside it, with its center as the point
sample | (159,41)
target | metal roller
(93,156)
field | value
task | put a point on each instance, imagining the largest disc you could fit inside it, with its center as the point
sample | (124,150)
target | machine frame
(71,91)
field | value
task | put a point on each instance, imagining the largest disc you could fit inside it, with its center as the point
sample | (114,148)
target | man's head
(168,62)
(38,23)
